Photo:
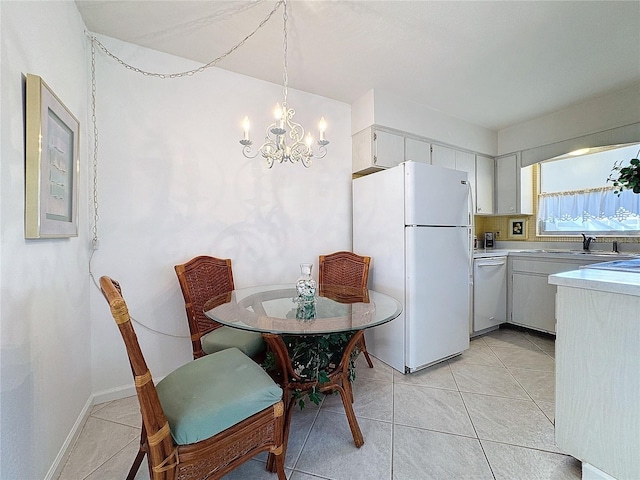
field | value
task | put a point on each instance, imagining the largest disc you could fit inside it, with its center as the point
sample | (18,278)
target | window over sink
(575,197)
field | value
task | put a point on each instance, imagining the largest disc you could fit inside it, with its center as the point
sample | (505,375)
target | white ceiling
(495,64)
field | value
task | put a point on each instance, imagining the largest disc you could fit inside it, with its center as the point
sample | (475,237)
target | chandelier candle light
(275,147)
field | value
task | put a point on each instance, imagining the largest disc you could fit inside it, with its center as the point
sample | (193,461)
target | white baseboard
(63,454)
(589,472)
(113,394)
(95,399)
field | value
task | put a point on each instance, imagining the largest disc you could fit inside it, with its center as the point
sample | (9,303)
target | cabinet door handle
(493,264)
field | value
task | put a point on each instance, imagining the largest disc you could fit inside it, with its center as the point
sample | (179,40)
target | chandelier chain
(285,76)
(201,69)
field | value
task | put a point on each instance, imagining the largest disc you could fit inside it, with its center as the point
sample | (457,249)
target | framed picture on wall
(518,228)
(51,164)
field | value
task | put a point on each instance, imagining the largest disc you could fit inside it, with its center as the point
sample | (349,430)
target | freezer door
(435,195)
(438,294)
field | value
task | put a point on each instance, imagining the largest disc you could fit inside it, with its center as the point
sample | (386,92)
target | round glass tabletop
(276,309)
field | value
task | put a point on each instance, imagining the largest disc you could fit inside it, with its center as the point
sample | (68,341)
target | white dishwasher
(489,293)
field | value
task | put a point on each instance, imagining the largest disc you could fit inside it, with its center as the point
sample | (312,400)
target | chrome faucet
(586,241)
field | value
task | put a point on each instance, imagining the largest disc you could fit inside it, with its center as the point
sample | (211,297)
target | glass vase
(306,286)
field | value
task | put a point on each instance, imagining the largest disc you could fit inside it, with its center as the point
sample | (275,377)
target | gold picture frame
(518,228)
(51,164)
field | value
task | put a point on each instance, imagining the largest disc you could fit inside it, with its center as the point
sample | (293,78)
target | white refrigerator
(414,220)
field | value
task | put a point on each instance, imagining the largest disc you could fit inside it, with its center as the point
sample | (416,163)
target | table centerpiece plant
(313,358)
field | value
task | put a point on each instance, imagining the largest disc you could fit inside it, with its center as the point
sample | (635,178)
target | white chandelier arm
(246,149)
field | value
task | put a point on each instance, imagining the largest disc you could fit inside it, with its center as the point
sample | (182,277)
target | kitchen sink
(582,252)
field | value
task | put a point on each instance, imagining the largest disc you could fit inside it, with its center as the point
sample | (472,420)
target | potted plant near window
(626,178)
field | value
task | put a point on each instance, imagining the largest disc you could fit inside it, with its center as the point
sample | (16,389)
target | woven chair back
(201,279)
(343,268)
(162,452)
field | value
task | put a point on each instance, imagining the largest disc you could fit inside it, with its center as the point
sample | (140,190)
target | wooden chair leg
(271,458)
(363,349)
(279,465)
(136,464)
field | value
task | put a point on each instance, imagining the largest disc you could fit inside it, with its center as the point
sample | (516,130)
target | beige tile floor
(487,414)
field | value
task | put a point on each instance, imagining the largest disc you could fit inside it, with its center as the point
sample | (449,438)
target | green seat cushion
(249,343)
(210,394)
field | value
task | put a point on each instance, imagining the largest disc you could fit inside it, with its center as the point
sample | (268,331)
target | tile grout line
(522,386)
(393,419)
(466,409)
(306,438)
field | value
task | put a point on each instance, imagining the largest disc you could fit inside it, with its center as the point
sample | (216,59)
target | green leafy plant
(628,178)
(314,357)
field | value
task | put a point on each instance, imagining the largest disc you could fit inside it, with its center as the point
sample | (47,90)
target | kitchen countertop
(482,253)
(613,281)
(593,255)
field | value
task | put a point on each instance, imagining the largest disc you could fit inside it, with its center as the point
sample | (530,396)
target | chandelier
(283,130)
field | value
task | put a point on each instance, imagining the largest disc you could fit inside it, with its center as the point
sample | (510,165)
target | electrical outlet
(498,234)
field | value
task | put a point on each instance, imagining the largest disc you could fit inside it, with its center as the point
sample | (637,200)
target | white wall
(173,184)
(599,114)
(44,296)
(383,108)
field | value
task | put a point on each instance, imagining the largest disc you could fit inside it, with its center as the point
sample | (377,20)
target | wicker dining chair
(201,279)
(349,270)
(205,418)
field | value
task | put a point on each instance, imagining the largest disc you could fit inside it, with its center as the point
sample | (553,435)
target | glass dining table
(277,312)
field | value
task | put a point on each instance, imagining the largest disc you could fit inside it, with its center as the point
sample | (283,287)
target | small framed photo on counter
(518,228)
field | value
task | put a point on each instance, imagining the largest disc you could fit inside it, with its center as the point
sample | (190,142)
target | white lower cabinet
(532,301)
(597,415)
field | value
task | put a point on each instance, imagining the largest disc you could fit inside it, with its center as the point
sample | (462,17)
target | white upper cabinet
(513,186)
(374,149)
(478,168)
(417,150)
(484,184)
(443,156)
(388,149)
(466,162)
